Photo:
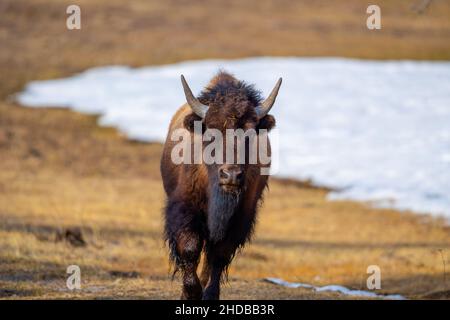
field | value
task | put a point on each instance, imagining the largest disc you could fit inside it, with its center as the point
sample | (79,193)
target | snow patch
(334,288)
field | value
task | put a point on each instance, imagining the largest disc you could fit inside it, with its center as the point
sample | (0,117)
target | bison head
(231,106)
(228,106)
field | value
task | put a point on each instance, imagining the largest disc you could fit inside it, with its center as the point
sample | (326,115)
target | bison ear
(267,122)
(189,121)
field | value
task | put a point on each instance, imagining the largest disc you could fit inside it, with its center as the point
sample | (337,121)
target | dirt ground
(74,193)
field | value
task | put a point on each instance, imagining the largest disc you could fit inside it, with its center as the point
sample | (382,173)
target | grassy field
(74,193)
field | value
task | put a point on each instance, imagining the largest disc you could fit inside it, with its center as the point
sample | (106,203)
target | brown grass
(60,171)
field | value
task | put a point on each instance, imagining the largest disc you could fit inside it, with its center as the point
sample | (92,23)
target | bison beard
(221,207)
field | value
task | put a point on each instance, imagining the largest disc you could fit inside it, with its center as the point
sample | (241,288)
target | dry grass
(59,171)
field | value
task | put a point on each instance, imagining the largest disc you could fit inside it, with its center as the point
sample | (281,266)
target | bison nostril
(230,176)
(224,174)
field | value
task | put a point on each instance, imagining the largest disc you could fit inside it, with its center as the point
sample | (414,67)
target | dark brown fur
(193,197)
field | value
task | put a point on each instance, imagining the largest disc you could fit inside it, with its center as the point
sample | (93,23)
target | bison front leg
(189,247)
(218,259)
(184,235)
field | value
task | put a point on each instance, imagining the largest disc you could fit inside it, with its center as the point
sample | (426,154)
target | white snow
(334,288)
(376,131)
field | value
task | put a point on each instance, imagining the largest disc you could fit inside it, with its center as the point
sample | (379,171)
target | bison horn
(267,104)
(199,108)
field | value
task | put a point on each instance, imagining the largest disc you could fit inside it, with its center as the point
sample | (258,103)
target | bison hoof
(192,292)
(210,294)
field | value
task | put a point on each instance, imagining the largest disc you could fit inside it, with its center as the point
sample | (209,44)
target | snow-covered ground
(377,131)
(335,288)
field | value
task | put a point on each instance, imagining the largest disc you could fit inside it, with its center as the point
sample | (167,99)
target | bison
(212,208)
